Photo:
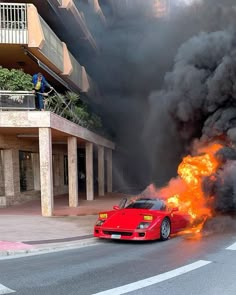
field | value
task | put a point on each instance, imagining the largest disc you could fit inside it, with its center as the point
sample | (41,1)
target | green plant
(72,108)
(15,80)
(68,106)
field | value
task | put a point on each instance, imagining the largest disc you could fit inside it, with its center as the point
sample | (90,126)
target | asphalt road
(181,265)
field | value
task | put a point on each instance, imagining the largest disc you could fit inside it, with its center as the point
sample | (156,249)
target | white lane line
(154,280)
(5,290)
(232,247)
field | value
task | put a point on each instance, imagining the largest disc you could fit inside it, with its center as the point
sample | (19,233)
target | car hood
(127,218)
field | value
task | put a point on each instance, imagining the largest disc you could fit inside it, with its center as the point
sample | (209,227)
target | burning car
(142,219)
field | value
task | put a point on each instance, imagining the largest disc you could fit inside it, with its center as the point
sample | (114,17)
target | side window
(163,207)
(159,205)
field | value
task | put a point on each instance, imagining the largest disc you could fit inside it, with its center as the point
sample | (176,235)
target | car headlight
(100,222)
(143,225)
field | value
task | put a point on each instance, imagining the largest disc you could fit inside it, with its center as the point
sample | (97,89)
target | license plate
(114,236)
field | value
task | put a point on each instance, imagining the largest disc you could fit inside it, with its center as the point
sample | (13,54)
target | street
(181,265)
(118,120)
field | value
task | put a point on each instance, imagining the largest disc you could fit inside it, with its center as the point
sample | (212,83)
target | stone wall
(2,191)
(59,187)
(26,171)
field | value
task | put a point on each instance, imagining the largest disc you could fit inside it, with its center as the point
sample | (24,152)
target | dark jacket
(44,82)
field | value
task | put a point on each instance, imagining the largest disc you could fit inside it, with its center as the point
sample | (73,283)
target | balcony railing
(13,23)
(17,100)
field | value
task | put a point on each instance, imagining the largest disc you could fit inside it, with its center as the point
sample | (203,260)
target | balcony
(13,24)
(55,12)
(53,47)
(17,100)
(23,27)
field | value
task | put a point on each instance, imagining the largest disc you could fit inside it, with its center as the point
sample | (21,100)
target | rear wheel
(165,229)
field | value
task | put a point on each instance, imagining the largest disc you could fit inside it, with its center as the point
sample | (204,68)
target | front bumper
(124,234)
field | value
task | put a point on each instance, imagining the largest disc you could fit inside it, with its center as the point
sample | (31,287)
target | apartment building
(41,153)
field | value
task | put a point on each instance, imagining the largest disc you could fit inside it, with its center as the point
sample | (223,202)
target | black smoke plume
(165,82)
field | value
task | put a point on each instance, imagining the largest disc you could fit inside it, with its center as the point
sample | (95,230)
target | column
(100,170)
(11,174)
(89,171)
(36,171)
(45,152)
(109,170)
(72,171)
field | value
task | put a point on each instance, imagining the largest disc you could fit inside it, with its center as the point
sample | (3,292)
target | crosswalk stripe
(154,280)
(232,247)
(5,290)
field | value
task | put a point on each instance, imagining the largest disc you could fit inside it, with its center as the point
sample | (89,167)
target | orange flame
(185,191)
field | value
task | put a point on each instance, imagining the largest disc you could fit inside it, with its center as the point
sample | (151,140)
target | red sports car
(142,219)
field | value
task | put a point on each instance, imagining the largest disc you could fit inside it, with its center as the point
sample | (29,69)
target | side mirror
(116,207)
(175,209)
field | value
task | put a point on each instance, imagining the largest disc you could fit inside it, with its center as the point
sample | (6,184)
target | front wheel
(165,229)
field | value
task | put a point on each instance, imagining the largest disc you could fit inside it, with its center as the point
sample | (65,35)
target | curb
(47,249)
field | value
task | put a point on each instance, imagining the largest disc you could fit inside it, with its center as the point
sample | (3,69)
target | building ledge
(36,119)
(69,6)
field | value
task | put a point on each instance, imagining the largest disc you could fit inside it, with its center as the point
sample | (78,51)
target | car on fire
(142,219)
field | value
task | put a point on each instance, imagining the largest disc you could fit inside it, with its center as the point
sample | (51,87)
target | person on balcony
(40,84)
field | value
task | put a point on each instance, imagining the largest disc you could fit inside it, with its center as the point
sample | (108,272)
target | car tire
(165,229)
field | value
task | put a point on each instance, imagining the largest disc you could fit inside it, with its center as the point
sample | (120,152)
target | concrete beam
(14,119)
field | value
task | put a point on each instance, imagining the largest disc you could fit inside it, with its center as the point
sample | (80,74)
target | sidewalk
(23,229)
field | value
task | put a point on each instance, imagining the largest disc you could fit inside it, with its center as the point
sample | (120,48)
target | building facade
(40,151)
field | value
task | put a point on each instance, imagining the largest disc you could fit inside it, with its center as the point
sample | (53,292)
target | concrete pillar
(11,172)
(101,170)
(36,171)
(72,171)
(45,152)
(109,170)
(89,171)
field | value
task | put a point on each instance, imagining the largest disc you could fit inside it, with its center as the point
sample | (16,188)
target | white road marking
(154,280)
(5,290)
(232,247)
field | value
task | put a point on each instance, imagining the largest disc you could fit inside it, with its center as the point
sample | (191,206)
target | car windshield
(152,204)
